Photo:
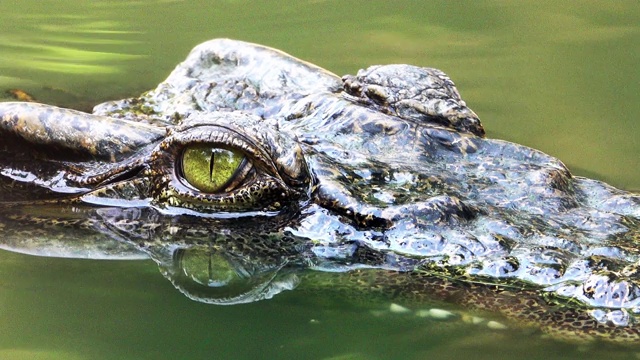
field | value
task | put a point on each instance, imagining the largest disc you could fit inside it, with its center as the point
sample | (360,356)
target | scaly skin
(385,177)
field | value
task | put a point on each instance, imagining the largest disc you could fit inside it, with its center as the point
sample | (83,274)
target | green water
(560,77)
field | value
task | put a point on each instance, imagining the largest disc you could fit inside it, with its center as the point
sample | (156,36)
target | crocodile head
(248,166)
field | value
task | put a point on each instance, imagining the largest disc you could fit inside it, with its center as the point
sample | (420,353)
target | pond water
(561,78)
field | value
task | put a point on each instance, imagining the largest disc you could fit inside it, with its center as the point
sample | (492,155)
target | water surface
(561,78)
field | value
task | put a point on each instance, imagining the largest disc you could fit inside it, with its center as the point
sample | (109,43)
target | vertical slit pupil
(211,162)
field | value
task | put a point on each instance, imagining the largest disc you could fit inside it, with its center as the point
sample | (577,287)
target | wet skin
(253,172)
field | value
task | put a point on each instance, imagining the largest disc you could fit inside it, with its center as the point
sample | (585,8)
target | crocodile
(248,172)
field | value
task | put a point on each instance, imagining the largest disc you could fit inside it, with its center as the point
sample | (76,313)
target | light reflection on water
(558,77)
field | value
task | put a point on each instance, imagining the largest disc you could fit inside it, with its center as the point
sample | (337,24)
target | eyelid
(240,176)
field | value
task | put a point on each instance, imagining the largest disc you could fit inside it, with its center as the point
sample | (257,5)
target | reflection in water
(217,278)
(225,261)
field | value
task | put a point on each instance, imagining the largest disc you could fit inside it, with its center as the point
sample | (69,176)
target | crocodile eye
(226,162)
(212,169)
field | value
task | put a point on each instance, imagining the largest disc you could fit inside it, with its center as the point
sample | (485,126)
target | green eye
(210,169)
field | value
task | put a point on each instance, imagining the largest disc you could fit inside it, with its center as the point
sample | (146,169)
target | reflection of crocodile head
(247,166)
